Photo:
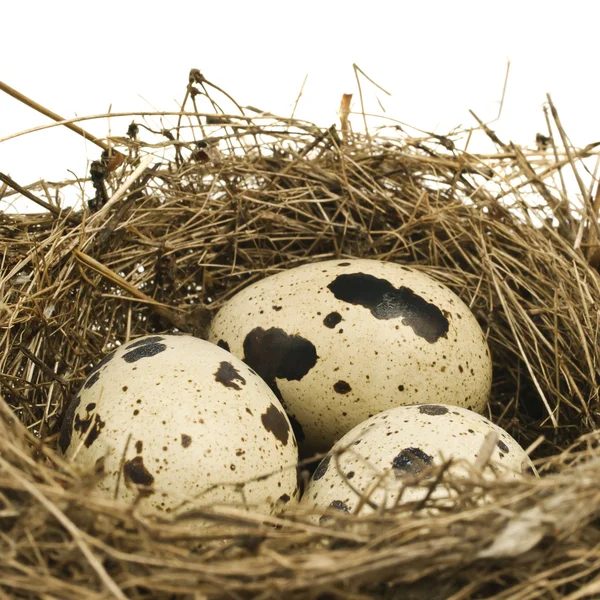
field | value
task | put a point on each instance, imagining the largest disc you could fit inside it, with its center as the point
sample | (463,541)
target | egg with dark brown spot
(406,442)
(182,422)
(354,337)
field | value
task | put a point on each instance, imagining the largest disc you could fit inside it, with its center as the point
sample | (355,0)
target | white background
(438,59)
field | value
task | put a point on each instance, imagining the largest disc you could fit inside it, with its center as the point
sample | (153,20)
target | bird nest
(176,221)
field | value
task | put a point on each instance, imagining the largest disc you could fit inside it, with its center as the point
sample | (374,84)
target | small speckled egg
(402,442)
(179,419)
(339,341)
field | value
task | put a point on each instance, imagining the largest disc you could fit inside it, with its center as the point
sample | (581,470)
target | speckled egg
(376,457)
(339,341)
(181,420)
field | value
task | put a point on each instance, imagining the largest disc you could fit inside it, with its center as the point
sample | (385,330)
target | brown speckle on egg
(275,422)
(411,461)
(145,341)
(91,427)
(433,409)
(322,468)
(91,380)
(340,505)
(223,344)
(332,319)
(342,387)
(94,374)
(66,428)
(228,375)
(135,472)
(273,353)
(296,428)
(147,350)
(503,447)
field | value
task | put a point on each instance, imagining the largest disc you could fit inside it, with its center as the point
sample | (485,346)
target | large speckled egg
(185,423)
(377,457)
(339,341)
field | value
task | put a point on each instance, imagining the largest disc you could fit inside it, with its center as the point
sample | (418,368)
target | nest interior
(164,240)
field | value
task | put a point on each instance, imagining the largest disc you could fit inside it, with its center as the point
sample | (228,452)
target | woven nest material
(162,243)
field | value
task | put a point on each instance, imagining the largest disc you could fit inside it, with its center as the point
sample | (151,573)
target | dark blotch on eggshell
(94,374)
(411,461)
(66,428)
(296,425)
(91,380)
(434,410)
(152,339)
(273,353)
(135,471)
(223,344)
(186,440)
(322,468)
(228,375)
(342,387)
(82,426)
(332,319)
(139,445)
(296,428)
(340,505)
(284,498)
(503,446)
(275,422)
(105,360)
(386,302)
(144,351)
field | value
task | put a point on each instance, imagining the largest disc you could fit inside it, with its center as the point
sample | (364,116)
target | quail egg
(375,459)
(183,423)
(339,341)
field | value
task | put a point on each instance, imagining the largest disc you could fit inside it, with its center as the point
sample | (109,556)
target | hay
(235,198)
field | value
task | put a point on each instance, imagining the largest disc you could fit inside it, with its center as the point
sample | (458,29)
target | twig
(299,96)
(491,134)
(52,115)
(49,207)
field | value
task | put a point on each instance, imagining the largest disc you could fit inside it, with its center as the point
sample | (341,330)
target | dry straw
(193,211)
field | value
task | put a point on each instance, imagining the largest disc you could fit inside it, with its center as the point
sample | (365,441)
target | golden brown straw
(231,200)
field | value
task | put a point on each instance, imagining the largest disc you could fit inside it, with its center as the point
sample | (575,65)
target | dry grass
(168,243)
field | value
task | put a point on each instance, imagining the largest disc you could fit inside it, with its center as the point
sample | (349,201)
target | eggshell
(179,419)
(385,450)
(339,341)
